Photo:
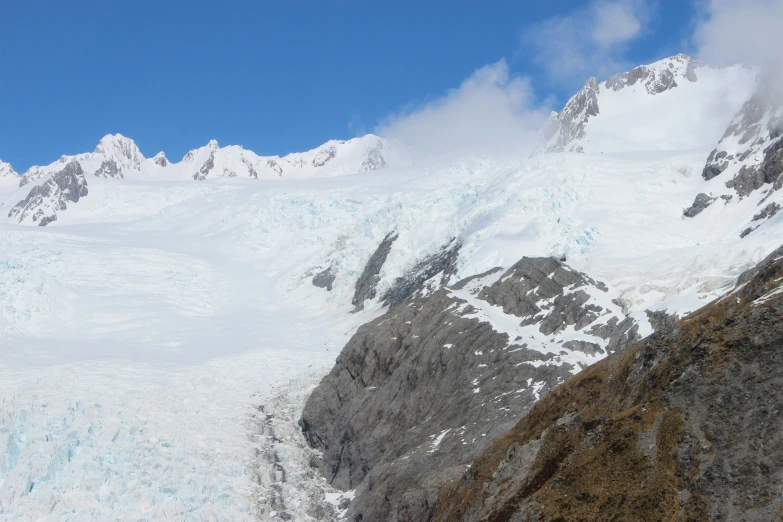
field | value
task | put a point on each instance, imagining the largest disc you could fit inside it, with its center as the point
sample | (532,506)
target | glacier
(148,333)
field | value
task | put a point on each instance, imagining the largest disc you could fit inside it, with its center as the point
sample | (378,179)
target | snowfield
(158,339)
(143,328)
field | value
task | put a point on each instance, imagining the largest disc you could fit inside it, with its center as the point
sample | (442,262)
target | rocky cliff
(418,393)
(685,425)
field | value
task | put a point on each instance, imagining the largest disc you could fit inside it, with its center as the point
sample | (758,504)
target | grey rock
(659,319)
(44,201)
(324,279)
(206,168)
(532,281)
(272,164)
(757,128)
(324,155)
(568,126)
(656,81)
(160,160)
(701,202)
(416,394)
(767,212)
(374,159)
(367,282)
(109,169)
(691,416)
(443,263)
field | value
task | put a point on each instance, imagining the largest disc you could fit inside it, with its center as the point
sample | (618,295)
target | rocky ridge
(416,394)
(682,426)
(750,153)
(565,131)
(46,199)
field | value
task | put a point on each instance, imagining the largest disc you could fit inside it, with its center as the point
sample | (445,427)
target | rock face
(365,285)
(701,202)
(655,78)
(44,201)
(685,425)
(766,213)
(324,279)
(563,131)
(566,131)
(422,278)
(418,393)
(751,149)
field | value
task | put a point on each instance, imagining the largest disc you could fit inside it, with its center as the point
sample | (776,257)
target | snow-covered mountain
(143,330)
(676,103)
(117,157)
(750,153)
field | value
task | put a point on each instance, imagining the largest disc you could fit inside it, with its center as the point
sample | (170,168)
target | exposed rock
(701,202)
(563,130)
(109,169)
(683,426)
(161,160)
(365,285)
(657,79)
(659,319)
(754,138)
(324,155)
(416,280)
(324,279)
(206,168)
(717,162)
(766,213)
(374,159)
(44,201)
(416,394)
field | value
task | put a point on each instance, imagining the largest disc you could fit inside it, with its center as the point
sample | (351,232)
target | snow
(141,331)
(173,303)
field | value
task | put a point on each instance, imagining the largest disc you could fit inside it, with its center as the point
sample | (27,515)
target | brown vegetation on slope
(686,425)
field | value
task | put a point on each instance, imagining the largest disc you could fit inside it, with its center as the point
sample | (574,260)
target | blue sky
(278,77)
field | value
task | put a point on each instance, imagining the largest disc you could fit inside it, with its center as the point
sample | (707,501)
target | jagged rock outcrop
(767,212)
(701,202)
(751,149)
(324,279)
(367,282)
(374,159)
(422,278)
(659,77)
(685,425)
(416,394)
(567,131)
(563,131)
(44,201)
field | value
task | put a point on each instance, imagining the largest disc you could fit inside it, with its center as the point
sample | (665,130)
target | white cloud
(491,112)
(590,41)
(615,23)
(740,31)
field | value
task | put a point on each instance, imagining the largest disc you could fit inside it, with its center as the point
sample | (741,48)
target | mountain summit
(674,103)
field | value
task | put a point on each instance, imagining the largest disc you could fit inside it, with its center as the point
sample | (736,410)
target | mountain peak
(6,170)
(659,76)
(629,111)
(122,149)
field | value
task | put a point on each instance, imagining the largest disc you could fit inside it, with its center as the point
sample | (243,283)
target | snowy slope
(8,177)
(747,155)
(677,103)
